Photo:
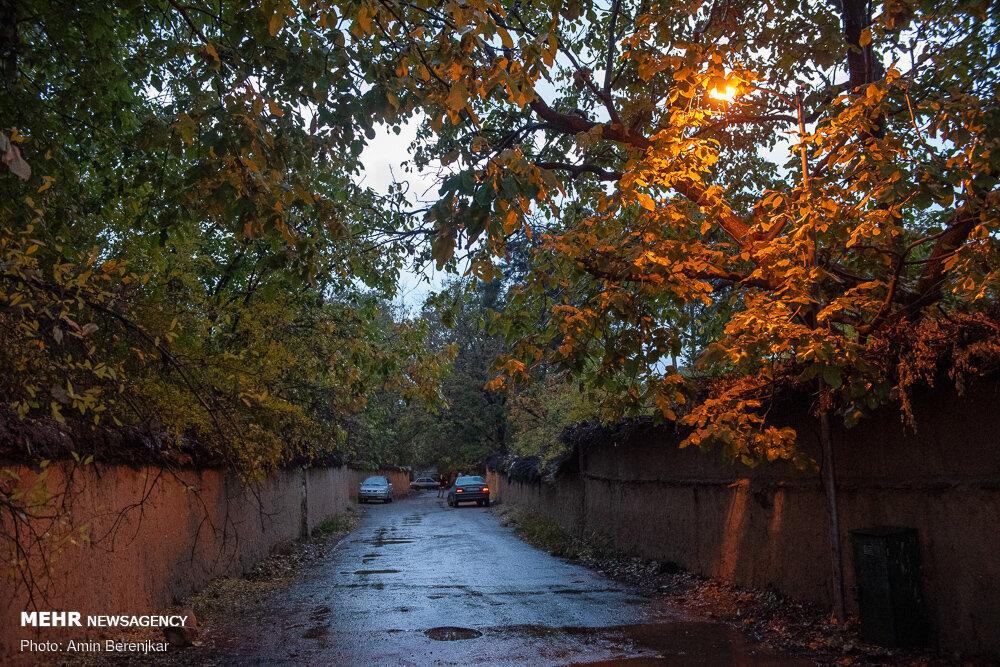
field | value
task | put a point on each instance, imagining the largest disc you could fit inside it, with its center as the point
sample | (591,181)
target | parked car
(424,483)
(469,489)
(375,488)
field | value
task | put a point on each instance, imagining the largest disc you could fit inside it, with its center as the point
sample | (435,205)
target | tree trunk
(10,41)
(828,474)
(862,65)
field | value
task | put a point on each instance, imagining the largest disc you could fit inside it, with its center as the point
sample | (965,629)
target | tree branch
(610,61)
(630,273)
(187,19)
(731,223)
(577,170)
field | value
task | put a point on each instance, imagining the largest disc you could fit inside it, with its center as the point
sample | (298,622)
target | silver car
(425,483)
(377,487)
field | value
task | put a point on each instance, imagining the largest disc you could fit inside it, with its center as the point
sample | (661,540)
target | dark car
(424,483)
(375,488)
(469,489)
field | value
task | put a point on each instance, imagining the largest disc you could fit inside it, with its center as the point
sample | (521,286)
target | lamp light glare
(727,95)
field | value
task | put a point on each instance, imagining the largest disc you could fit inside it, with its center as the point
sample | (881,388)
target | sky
(383,160)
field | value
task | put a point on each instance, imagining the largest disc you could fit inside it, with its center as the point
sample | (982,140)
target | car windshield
(376,481)
(469,480)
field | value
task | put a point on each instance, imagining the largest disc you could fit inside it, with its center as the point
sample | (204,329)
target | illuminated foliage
(592,126)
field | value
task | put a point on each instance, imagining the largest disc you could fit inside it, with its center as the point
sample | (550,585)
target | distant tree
(540,412)
(472,421)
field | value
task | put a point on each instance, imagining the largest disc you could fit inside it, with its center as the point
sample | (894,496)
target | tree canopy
(169,164)
(184,246)
(846,194)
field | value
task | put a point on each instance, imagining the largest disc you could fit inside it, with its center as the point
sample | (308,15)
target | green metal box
(887,572)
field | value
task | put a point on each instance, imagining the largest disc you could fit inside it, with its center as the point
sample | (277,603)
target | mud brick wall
(156,536)
(766,527)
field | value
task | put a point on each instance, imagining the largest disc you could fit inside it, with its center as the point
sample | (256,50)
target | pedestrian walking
(442,486)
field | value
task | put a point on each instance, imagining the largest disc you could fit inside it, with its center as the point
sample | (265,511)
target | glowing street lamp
(727,95)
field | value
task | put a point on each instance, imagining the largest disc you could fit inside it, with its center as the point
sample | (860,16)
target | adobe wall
(766,527)
(156,536)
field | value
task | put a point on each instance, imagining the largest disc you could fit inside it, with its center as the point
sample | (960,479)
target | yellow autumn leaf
(646,201)
(275,24)
(458,96)
(365,20)
(505,37)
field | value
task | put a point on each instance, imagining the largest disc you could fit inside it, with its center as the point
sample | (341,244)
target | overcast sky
(383,161)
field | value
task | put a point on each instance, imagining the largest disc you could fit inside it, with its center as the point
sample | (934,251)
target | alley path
(420,583)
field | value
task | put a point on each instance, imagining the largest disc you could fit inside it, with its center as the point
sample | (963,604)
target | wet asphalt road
(420,583)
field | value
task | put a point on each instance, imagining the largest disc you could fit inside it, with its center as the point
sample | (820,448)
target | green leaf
(831,375)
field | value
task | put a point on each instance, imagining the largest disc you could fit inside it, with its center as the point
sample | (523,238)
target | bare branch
(577,170)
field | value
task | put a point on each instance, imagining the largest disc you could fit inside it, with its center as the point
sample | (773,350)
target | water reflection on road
(421,583)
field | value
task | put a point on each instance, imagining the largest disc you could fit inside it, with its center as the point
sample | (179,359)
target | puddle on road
(381,542)
(465,590)
(451,633)
(384,536)
(558,591)
(376,571)
(628,662)
(675,643)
